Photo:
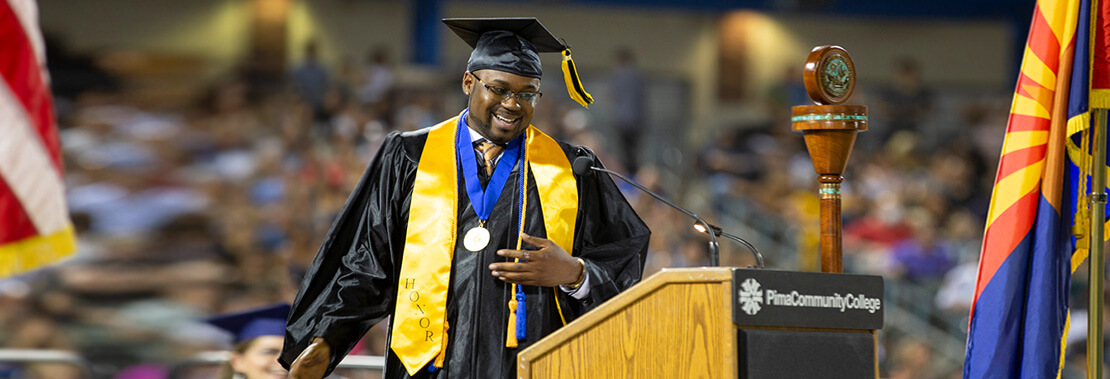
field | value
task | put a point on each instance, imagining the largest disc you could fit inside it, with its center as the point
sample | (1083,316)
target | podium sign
(807,299)
(826,318)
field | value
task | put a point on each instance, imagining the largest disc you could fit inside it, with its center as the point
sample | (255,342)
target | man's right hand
(313,361)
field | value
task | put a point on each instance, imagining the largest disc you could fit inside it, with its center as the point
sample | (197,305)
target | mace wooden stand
(829,130)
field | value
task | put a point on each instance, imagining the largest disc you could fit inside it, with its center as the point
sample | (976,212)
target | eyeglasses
(523,97)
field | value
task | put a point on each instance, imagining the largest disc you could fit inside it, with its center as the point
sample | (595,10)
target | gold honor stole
(419,325)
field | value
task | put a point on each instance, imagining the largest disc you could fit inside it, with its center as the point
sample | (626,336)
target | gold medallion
(476,239)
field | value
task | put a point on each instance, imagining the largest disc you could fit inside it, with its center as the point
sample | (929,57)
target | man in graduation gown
(474,251)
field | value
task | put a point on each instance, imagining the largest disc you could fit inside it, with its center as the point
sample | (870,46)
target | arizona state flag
(1036,233)
(34,225)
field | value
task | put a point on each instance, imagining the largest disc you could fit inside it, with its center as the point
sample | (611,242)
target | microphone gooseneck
(583,164)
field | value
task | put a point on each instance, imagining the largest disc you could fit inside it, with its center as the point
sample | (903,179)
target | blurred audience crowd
(185,213)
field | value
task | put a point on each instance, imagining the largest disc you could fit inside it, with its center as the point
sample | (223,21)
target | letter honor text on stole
(409,284)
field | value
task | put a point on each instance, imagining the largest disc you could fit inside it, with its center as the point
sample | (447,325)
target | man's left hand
(548,267)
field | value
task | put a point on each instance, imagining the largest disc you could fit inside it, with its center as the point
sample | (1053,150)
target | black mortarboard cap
(513,45)
(267,321)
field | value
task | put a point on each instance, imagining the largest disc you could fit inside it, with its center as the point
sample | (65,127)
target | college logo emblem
(750,296)
(837,76)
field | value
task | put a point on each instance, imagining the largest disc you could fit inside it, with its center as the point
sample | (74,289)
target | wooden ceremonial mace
(829,129)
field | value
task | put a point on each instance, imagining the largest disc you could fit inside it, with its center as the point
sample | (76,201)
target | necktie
(489,151)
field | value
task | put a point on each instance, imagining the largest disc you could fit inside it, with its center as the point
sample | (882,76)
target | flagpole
(1095,265)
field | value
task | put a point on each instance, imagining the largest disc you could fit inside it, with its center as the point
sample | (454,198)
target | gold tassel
(442,346)
(510,332)
(574,85)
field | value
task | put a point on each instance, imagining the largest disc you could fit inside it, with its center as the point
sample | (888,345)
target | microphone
(583,165)
(721,233)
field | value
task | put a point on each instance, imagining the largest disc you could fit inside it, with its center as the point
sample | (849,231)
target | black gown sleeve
(610,238)
(350,285)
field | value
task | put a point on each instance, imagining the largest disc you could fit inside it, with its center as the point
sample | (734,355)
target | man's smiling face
(496,120)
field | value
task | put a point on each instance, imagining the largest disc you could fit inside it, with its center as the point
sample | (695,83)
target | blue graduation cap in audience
(267,321)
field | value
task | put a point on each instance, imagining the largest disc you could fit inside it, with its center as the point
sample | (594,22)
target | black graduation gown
(352,282)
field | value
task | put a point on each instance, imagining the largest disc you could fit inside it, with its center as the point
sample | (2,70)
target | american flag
(34,225)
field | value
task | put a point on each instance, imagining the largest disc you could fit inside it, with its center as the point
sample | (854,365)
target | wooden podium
(719,322)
